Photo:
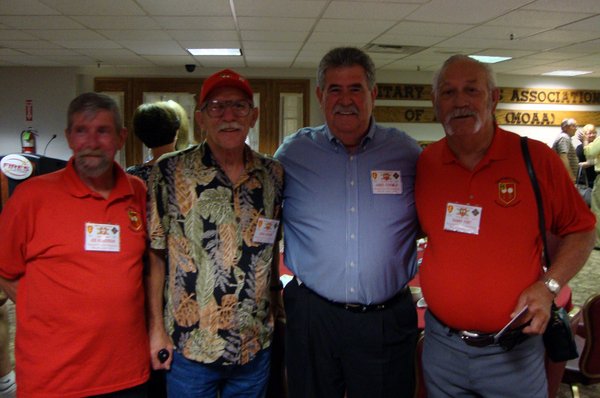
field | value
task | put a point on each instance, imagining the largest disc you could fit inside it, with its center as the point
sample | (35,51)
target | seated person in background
(156,125)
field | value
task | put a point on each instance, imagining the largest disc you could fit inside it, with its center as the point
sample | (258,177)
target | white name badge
(266,231)
(386,182)
(102,237)
(462,218)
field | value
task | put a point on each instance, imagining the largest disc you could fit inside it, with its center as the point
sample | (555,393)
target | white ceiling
(546,34)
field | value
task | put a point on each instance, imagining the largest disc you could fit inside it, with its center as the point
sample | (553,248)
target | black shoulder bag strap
(538,197)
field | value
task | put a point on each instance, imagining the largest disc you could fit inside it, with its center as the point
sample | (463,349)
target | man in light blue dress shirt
(349,222)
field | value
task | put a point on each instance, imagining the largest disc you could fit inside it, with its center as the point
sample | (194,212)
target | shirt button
(351,290)
(352,209)
(352,183)
(352,236)
(351,157)
(352,264)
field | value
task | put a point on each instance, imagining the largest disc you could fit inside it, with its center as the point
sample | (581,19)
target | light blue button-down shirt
(344,242)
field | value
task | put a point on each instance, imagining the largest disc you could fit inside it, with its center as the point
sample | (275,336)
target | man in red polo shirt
(71,259)
(482,264)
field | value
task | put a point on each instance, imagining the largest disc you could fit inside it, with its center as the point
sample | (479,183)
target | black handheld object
(163,355)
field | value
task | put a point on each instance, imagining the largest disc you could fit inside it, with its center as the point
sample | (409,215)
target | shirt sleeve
(156,233)
(562,146)
(14,223)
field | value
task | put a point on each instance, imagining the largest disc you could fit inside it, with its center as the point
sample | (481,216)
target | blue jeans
(190,379)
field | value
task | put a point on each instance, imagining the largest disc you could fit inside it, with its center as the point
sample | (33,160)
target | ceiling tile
(272,23)
(40,22)
(95,7)
(471,12)
(117,22)
(204,35)
(153,47)
(25,7)
(185,7)
(278,8)
(375,11)
(204,23)
(255,35)
(135,34)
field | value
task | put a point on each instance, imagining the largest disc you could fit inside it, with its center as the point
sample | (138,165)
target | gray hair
(91,103)
(346,57)
(490,75)
(565,122)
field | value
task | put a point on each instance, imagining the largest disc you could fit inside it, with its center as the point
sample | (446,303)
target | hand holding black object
(163,355)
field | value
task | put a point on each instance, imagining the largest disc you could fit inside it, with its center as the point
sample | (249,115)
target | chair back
(589,361)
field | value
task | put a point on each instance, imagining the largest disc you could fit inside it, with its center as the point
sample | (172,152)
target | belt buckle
(475,339)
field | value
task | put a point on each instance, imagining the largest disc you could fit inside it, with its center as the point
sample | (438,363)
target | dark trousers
(140,391)
(331,351)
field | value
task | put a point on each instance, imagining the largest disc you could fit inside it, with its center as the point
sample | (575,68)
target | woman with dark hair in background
(156,125)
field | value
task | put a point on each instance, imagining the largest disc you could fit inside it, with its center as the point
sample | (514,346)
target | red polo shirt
(80,314)
(473,281)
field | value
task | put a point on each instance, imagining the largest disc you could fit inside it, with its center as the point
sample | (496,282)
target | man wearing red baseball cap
(215,211)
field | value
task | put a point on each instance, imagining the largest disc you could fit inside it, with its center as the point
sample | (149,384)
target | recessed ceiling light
(488,59)
(215,51)
(567,73)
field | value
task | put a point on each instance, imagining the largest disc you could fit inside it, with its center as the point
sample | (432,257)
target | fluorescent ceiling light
(488,59)
(215,51)
(567,73)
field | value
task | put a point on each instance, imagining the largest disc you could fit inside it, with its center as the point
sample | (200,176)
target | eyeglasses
(239,108)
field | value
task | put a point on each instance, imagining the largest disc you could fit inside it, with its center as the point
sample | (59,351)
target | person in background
(589,164)
(214,222)
(8,385)
(183,137)
(483,264)
(591,149)
(564,147)
(350,223)
(71,260)
(156,125)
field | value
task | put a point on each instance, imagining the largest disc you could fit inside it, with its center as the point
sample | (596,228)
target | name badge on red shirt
(102,237)
(462,218)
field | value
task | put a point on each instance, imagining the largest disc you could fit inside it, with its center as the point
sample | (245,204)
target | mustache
(343,108)
(92,152)
(229,125)
(461,112)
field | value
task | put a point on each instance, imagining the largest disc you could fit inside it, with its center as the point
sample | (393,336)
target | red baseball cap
(225,78)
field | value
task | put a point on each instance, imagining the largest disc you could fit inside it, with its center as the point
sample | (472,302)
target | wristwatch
(552,285)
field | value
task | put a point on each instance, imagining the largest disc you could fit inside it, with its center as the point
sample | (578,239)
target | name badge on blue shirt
(386,182)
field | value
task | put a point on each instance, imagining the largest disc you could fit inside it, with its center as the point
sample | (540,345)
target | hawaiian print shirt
(217,289)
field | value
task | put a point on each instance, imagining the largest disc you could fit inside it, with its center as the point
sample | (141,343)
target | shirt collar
(498,149)
(336,143)
(78,189)
(251,162)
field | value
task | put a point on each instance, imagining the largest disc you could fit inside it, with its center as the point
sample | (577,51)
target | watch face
(553,285)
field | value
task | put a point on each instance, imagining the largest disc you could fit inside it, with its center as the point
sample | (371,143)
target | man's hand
(539,299)
(276,306)
(159,340)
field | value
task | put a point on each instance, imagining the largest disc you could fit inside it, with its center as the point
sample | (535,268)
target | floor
(586,283)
